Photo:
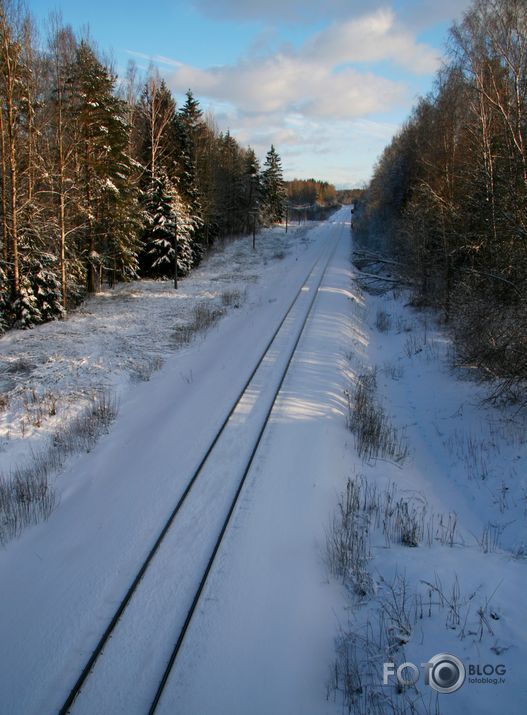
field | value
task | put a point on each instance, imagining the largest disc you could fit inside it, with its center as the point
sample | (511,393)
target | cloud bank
(340,85)
(324,78)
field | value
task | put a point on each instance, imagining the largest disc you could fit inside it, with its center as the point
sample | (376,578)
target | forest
(310,199)
(448,199)
(106,179)
(311,191)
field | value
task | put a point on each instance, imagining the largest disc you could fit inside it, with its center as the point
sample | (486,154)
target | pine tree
(25,306)
(253,192)
(232,195)
(159,228)
(167,218)
(273,187)
(187,227)
(46,287)
(106,191)
(40,298)
(5,303)
(122,227)
(193,117)
(189,133)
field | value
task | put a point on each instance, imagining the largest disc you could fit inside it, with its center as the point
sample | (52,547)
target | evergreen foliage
(253,190)
(5,304)
(167,218)
(45,286)
(107,196)
(273,187)
(97,179)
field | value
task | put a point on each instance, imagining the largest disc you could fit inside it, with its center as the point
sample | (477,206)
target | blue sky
(327,81)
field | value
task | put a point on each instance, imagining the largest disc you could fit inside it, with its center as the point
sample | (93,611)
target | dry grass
(375,436)
(26,495)
(383,321)
(203,317)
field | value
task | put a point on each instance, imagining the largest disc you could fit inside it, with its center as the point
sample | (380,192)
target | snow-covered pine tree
(122,214)
(40,297)
(253,192)
(158,237)
(105,190)
(186,128)
(25,306)
(273,187)
(167,216)
(187,226)
(5,304)
(45,284)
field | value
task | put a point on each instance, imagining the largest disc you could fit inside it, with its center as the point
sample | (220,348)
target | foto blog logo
(444,673)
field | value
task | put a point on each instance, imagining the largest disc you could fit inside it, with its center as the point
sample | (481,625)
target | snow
(125,676)
(263,637)
(61,579)
(467,458)
(263,640)
(122,335)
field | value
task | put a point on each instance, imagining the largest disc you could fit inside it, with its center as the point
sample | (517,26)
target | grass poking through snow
(374,434)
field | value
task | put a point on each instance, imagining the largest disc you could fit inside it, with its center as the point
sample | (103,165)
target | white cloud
(372,38)
(285,84)
(318,79)
(316,102)
(156,59)
(313,100)
(336,150)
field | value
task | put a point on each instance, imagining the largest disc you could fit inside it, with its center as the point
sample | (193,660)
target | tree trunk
(3,168)
(11,135)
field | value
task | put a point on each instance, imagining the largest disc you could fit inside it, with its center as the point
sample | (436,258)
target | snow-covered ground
(263,638)
(124,334)
(457,590)
(63,577)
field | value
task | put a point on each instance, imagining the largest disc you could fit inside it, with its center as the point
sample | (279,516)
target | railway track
(166,564)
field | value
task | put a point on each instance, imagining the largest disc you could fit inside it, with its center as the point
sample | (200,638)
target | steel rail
(99,647)
(197,595)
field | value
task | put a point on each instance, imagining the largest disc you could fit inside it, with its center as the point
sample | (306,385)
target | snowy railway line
(235,443)
(235,611)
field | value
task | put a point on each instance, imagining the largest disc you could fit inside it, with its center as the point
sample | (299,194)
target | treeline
(311,191)
(103,181)
(349,196)
(449,196)
(310,199)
